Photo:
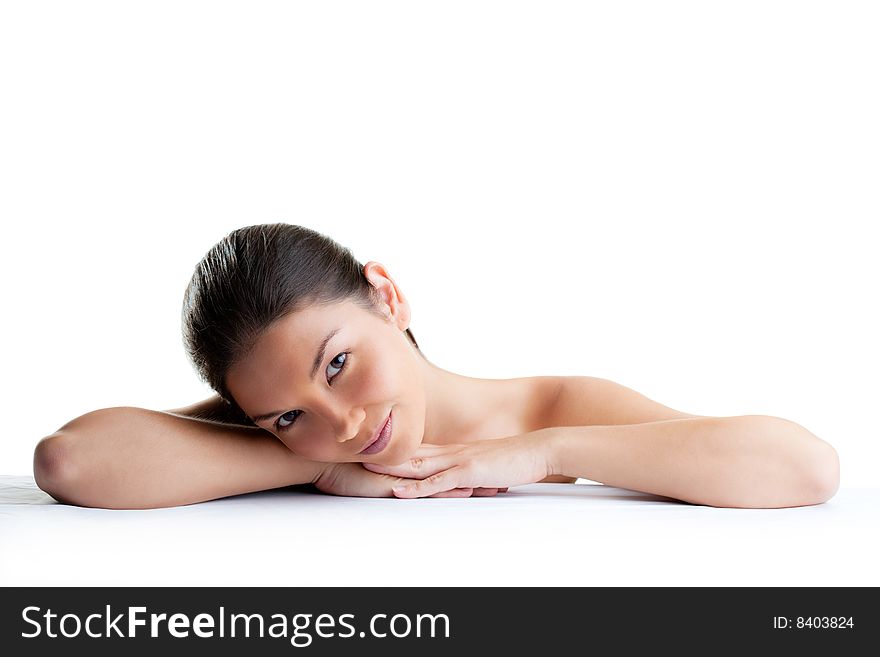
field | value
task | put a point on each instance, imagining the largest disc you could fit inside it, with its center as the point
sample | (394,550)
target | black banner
(432,621)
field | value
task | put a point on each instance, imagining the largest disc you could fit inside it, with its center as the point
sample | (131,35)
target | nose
(349,428)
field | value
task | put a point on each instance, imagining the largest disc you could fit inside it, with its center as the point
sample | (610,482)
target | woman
(319,380)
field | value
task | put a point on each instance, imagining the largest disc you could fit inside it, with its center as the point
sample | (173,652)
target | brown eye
(284,427)
(339,367)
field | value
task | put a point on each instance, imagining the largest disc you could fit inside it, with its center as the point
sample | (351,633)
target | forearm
(214,409)
(752,461)
(134,458)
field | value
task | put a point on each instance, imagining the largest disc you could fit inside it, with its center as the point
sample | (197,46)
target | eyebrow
(319,357)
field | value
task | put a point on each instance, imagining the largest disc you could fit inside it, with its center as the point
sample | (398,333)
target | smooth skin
(129,457)
(452,436)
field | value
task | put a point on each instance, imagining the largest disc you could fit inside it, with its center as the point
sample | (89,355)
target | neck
(461,409)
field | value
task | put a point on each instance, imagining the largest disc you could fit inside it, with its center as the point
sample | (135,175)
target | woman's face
(367,370)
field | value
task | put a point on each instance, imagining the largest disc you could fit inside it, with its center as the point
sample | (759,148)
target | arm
(750,461)
(135,458)
(215,410)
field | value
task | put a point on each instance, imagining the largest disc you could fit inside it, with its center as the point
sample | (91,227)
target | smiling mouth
(381,440)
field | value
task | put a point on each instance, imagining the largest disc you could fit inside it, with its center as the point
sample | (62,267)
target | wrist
(555,451)
(322,470)
(303,470)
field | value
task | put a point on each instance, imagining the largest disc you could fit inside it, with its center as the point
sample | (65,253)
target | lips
(383,435)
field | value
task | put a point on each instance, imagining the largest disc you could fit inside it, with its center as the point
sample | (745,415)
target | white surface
(540,534)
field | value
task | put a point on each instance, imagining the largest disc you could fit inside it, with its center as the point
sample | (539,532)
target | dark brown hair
(255,276)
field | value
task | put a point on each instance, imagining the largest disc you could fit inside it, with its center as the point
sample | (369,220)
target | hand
(352,480)
(491,465)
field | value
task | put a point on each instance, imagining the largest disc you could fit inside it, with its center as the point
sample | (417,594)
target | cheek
(308,449)
(380,385)
(317,450)
(322,448)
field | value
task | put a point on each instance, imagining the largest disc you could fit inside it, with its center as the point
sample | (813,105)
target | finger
(455,492)
(393,470)
(418,467)
(388,483)
(415,465)
(408,468)
(485,492)
(423,452)
(437,483)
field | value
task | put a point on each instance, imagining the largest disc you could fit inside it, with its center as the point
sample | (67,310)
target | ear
(395,304)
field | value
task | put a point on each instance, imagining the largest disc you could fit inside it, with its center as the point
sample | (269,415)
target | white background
(677,196)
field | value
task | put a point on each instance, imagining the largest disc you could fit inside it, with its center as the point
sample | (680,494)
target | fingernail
(398,489)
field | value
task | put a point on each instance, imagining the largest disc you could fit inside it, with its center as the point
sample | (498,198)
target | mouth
(381,440)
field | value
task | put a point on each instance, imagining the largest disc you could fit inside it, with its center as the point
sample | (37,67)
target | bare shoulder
(590,400)
(539,400)
(566,401)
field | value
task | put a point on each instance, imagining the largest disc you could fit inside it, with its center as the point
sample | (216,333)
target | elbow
(59,465)
(808,468)
(819,464)
(54,467)
(824,474)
